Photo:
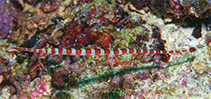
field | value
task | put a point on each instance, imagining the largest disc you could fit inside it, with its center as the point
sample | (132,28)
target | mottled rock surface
(6,18)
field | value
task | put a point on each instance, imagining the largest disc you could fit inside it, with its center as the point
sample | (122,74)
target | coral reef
(39,28)
(182,11)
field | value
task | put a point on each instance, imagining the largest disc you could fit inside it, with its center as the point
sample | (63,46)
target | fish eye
(46,51)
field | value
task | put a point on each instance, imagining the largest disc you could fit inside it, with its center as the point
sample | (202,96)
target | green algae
(62,95)
(126,36)
(114,93)
(21,59)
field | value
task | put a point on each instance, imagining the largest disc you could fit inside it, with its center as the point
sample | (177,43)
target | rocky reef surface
(160,25)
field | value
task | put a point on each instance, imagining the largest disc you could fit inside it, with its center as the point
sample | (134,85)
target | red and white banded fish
(100,52)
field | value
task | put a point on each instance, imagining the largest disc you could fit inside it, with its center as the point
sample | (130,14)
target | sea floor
(100,24)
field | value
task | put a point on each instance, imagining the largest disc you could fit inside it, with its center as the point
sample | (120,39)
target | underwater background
(128,49)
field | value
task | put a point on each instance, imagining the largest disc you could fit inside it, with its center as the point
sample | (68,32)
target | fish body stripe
(171,52)
(88,51)
(83,51)
(61,51)
(124,51)
(151,51)
(107,52)
(73,51)
(145,51)
(78,52)
(158,52)
(134,51)
(53,50)
(164,52)
(34,50)
(100,52)
(68,52)
(131,50)
(116,52)
(92,52)
(138,51)
(111,52)
(97,52)
(56,51)
(28,49)
(184,51)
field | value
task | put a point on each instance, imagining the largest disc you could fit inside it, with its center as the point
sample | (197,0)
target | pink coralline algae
(6,19)
(111,62)
(40,89)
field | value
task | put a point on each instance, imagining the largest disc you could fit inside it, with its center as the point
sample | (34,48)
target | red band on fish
(78,51)
(34,50)
(60,51)
(68,52)
(116,52)
(97,52)
(88,51)
(107,52)
(124,51)
(145,51)
(29,49)
(138,51)
(151,52)
(53,51)
(178,52)
(131,50)
(40,51)
(164,52)
(157,52)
